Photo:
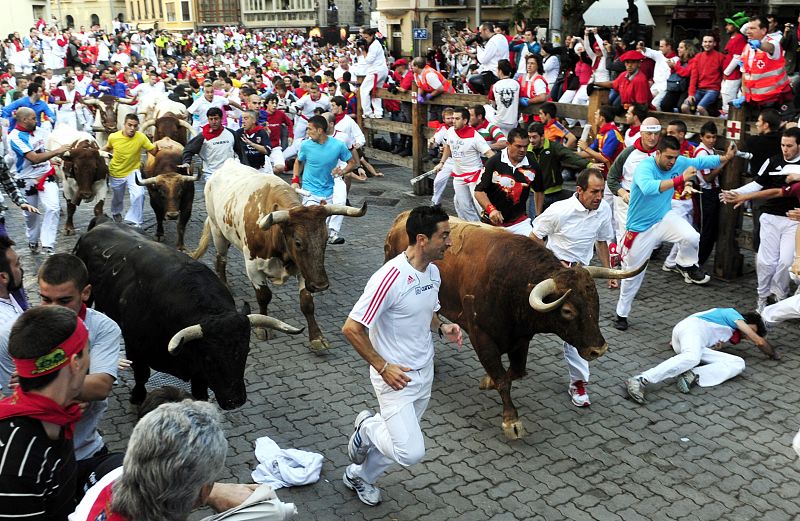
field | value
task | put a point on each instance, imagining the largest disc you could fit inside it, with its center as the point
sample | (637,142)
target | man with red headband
(50,347)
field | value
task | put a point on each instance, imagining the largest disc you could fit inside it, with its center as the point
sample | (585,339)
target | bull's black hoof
(137,398)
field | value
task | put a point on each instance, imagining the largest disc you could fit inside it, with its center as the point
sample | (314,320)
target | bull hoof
(514,430)
(486,383)
(69,231)
(263,333)
(182,248)
(319,345)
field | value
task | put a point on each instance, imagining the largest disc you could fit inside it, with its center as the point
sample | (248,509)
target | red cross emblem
(733,129)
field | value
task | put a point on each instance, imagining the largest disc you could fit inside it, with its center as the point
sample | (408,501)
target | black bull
(502,289)
(175,314)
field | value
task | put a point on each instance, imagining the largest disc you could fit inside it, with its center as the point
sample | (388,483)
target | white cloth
(464,200)
(685,209)
(279,467)
(577,366)
(775,255)
(506,94)
(493,51)
(339,197)
(572,229)
(440,181)
(786,309)
(369,104)
(200,106)
(42,226)
(136,194)
(467,151)
(692,339)
(671,228)
(523,228)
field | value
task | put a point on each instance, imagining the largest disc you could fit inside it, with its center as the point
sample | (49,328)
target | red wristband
(490,208)
(678,183)
(295,179)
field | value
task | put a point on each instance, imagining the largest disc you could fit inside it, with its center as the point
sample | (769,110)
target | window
(95,20)
(160,10)
(170,11)
(70,21)
(185,13)
(146,10)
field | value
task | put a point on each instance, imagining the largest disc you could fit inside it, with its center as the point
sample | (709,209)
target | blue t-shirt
(648,206)
(722,316)
(320,160)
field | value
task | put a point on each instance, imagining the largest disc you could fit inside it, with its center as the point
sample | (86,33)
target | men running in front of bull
(37,179)
(391,328)
(503,189)
(214,144)
(652,220)
(574,227)
(696,341)
(126,146)
(466,146)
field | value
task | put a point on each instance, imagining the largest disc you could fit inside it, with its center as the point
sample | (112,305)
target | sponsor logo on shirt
(421,289)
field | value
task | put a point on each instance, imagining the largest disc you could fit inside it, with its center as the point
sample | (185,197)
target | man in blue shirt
(696,340)
(651,219)
(32,101)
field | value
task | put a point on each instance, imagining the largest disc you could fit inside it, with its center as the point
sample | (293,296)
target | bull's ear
(245,308)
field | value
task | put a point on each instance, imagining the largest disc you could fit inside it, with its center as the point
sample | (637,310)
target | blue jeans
(706,98)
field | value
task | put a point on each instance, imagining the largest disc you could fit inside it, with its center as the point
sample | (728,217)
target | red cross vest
(422,83)
(762,78)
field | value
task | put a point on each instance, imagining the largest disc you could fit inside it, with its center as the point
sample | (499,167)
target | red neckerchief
(670,55)
(102,506)
(640,148)
(483,125)
(209,134)
(38,407)
(736,337)
(634,129)
(82,312)
(252,131)
(685,149)
(23,129)
(465,132)
(608,127)
(79,77)
(338,117)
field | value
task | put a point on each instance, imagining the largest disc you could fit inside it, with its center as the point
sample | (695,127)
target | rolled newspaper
(429,173)
(585,134)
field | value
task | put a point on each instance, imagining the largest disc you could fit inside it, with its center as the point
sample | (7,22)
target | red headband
(55,359)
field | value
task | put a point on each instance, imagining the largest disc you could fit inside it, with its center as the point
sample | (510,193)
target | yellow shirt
(126,152)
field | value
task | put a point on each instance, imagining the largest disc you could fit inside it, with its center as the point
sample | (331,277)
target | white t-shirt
(572,229)
(466,151)
(201,105)
(397,306)
(506,100)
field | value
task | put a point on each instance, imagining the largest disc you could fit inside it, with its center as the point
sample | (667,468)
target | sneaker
(621,323)
(34,247)
(687,380)
(577,391)
(761,304)
(117,217)
(367,493)
(670,267)
(358,446)
(333,238)
(48,250)
(635,387)
(693,274)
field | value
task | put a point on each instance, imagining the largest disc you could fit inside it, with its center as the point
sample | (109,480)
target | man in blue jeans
(705,82)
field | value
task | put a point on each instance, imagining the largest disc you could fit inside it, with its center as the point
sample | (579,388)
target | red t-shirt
(633,90)
(734,46)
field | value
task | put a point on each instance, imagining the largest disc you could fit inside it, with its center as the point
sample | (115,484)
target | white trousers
(577,366)
(620,218)
(292,150)
(658,91)
(69,118)
(685,209)
(300,126)
(42,226)
(608,197)
(395,434)
(692,348)
(339,197)
(786,309)
(729,91)
(440,181)
(523,228)
(464,200)
(672,228)
(136,194)
(775,255)
(368,104)
(276,158)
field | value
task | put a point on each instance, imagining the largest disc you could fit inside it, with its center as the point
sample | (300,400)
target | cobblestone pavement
(720,453)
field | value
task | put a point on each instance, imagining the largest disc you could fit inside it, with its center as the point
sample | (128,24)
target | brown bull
(169,126)
(171,192)
(85,174)
(111,118)
(502,289)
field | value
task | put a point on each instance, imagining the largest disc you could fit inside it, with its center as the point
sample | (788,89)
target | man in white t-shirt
(390,326)
(505,94)
(466,146)
(208,100)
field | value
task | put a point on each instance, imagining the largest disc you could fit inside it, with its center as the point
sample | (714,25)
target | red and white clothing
(304,108)
(376,72)
(632,134)
(440,181)
(732,74)
(68,112)
(466,148)
(532,86)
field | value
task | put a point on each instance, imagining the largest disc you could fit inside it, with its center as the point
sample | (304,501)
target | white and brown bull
(171,191)
(502,289)
(280,238)
(158,104)
(110,112)
(83,170)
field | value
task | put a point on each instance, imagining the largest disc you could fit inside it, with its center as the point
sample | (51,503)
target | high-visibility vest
(762,78)
(422,83)
(526,87)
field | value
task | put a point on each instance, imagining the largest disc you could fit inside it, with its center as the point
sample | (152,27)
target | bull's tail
(205,239)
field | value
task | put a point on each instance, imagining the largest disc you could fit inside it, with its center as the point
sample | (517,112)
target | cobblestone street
(721,453)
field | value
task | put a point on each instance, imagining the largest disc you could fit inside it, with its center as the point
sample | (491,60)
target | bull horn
(65,154)
(144,182)
(349,211)
(104,154)
(125,101)
(191,178)
(542,290)
(147,124)
(276,217)
(91,101)
(257,320)
(186,334)
(598,272)
(187,126)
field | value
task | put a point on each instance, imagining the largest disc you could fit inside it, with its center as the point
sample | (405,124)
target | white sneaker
(367,493)
(358,446)
(761,304)
(577,391)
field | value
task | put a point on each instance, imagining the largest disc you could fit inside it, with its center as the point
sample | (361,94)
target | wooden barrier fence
(728,259)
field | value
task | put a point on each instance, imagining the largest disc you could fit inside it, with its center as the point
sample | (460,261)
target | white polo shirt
(397,306)
(572,229)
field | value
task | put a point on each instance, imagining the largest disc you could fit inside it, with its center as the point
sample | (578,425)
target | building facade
(20,15)
(86,13)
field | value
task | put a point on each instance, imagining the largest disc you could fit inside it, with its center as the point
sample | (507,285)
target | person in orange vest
(430,82)
(764,80)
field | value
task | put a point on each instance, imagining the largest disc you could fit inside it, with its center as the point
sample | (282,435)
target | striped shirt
(490,132)
(37,474)
(397,306)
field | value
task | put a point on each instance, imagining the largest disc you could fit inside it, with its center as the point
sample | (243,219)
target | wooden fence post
(728,259)
(598,98)
(419,145)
